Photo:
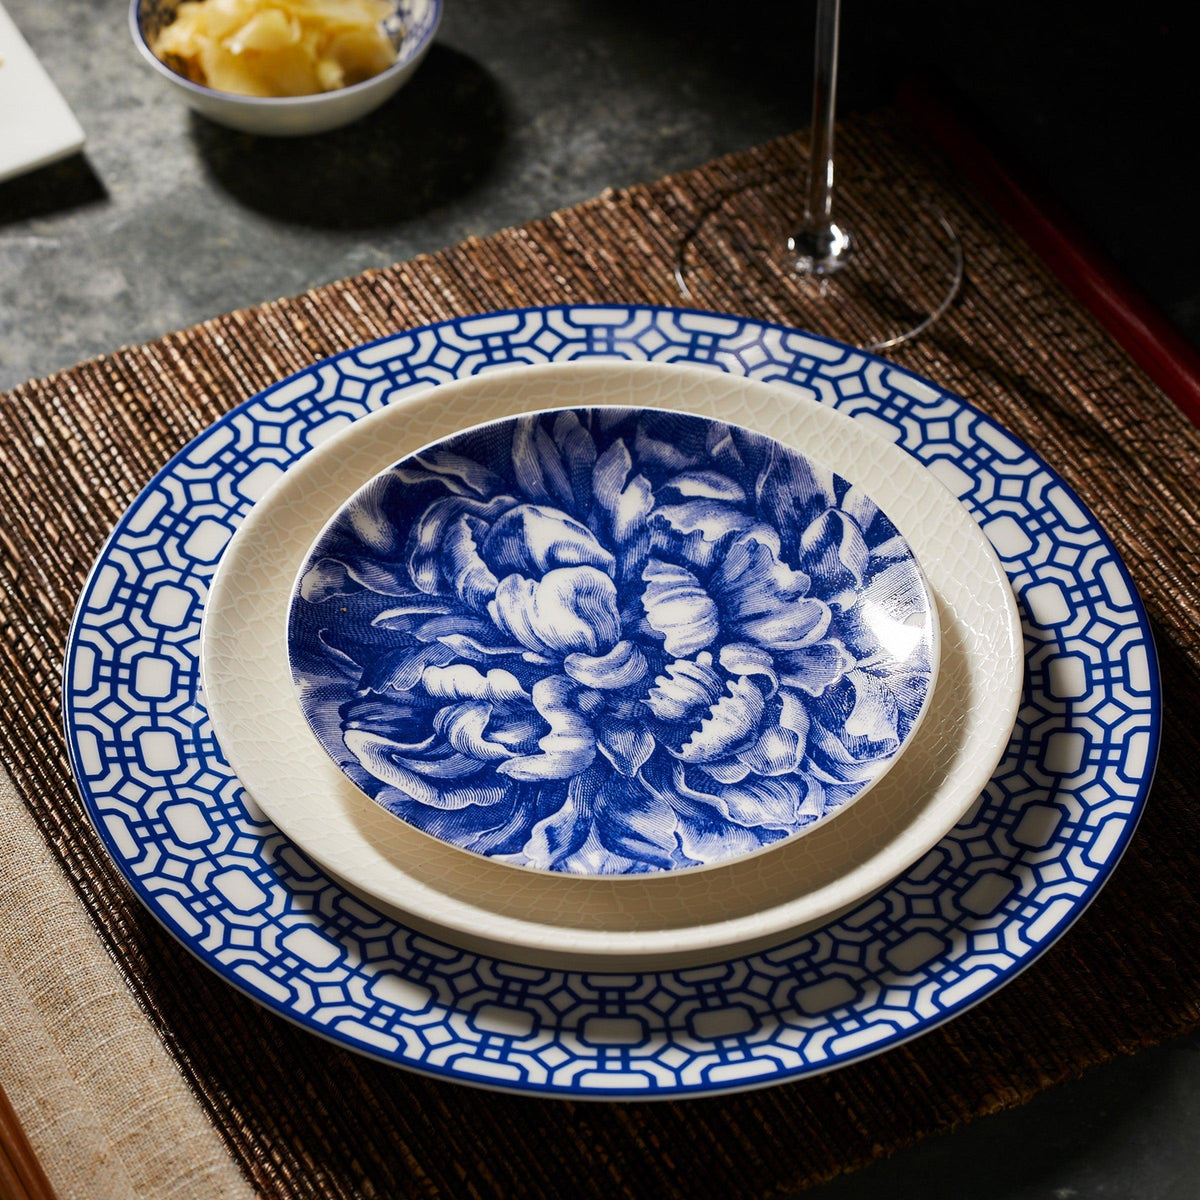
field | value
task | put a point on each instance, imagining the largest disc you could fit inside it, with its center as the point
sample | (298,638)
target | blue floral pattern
(611,641)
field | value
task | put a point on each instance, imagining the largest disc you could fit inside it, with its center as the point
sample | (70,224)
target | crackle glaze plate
(559,920)
(615,640)
(975,910)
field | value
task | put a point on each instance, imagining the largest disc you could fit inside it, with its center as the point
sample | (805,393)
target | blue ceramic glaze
(611,641)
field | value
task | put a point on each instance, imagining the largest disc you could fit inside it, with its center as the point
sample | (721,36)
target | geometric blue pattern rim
(975,911)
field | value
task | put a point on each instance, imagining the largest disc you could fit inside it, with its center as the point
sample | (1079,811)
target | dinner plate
(973,912)
(612,639)
(619,924)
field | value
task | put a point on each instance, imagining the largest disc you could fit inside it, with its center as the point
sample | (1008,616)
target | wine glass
(876,289)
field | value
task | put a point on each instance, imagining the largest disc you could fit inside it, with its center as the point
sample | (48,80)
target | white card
(36,126)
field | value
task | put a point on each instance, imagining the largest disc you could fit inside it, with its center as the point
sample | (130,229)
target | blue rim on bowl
(612,641)
(418,36)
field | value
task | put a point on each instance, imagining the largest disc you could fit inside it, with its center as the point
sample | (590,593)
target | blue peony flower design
(611,641)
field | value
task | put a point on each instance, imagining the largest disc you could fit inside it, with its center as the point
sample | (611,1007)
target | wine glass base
(896,279)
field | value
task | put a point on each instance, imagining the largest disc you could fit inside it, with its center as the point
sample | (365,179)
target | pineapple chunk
(278,47)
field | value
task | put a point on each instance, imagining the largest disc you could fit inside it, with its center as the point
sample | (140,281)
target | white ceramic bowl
(684,917)
(291,116)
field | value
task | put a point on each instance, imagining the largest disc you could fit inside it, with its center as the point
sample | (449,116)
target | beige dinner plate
(627,924)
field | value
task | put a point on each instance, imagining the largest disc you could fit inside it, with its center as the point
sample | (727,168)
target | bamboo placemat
(305,1119)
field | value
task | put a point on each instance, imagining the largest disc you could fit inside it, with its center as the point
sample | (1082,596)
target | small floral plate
(612,641)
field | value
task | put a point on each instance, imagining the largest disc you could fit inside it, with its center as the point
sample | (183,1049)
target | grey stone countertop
(529,105)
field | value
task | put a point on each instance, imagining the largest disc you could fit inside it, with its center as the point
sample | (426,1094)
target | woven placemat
(304,1118)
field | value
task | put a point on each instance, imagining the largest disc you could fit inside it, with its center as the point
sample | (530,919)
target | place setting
(611,701)
(713,641)
(618,700)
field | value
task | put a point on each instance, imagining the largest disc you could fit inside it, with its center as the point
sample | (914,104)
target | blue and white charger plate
(979,908)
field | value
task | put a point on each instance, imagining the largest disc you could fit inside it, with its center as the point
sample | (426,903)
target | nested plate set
(611,702)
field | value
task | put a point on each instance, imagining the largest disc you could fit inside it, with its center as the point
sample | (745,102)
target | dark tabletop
(525,106)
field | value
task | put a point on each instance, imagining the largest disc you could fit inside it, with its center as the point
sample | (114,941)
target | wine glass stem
(820,246)
(820,163)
